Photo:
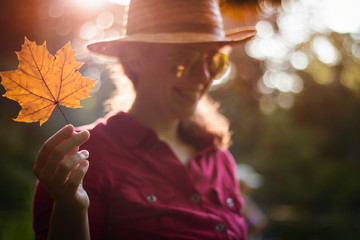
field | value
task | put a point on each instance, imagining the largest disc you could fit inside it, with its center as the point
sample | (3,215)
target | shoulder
(98,130)
(226,159)
(105,132)
(113,141)
(119,128)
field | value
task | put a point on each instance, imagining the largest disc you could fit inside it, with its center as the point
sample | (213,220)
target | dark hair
(206,122)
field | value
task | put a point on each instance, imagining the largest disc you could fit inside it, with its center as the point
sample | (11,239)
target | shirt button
(195,198)
(230,202)
(219,227)
(151,198)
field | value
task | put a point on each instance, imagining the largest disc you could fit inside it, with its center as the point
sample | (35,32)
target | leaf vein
(39,96)
(42,78)
(76,90)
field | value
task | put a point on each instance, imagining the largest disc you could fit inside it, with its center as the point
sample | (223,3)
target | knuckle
(82,171)
(64,166)
(68,163)
(57,152)
(72,140)
(72,184)
(80,137)
(75,139)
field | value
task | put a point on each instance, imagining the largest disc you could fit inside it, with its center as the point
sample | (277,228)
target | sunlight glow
(90,31)
(342,16)
(121,2)
(273,48)
(93,5)
(64,27)
(325,51)
(355,49)
(299,60)
(261,86)
(264,29)
(267,104)
(282,44)
(90,4)
(285,100)
(282,81)
(293,27)
(56,9)
(105,20)
(93,73)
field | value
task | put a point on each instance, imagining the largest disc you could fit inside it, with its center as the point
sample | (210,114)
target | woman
(160,170)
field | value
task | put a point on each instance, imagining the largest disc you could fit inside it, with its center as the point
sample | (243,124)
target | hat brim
(112,47)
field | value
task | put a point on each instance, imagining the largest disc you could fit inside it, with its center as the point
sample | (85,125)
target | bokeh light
(56,9)
(296,35)
(121,2)
(299,60)
(105,20)
(281,41)
(341,16)
(325,51)
(90,31)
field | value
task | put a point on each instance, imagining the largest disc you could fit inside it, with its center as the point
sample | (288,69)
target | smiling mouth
(189,95)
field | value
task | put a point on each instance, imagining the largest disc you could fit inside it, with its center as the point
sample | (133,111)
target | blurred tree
(308,152)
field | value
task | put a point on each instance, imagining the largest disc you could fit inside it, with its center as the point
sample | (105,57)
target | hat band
(184,27)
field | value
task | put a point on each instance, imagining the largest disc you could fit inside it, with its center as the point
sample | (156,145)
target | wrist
(74,207)
(74,220)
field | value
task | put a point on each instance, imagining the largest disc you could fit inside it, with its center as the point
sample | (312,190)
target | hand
(60,168)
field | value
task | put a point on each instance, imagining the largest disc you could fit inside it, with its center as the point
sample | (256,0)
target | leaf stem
(62,113)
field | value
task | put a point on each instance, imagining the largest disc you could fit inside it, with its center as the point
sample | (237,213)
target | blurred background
(293,99)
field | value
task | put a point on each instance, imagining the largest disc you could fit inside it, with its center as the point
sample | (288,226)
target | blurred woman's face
(172,78)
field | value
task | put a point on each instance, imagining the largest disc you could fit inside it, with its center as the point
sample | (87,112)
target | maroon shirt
(138,188)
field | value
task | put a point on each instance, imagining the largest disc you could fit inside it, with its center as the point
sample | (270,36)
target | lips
(189,95)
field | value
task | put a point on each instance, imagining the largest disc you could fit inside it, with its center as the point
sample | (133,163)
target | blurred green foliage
(308,155)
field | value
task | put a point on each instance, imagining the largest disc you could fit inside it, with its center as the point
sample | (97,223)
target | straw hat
(172,21)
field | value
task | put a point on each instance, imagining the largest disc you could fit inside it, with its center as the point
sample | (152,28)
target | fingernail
(84,154)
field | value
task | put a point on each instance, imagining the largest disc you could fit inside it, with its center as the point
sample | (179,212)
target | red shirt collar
(132,133)
(129,130)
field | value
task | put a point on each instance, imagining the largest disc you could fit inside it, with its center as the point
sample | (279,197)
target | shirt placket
(166,164)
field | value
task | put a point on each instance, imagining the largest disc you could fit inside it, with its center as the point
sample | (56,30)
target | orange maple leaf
(43,81)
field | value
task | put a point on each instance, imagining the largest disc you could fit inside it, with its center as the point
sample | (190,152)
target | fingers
(76,176)
(62,149)
(46,149)
(60,167)
(66,167)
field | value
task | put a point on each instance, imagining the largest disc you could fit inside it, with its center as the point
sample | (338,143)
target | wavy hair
(207,121)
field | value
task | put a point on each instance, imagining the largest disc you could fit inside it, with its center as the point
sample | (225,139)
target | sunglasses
(183,61)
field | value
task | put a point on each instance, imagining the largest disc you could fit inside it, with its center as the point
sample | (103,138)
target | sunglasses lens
(218,64)
(181,62)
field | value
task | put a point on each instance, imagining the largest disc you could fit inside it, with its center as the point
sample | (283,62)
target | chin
(185,112)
